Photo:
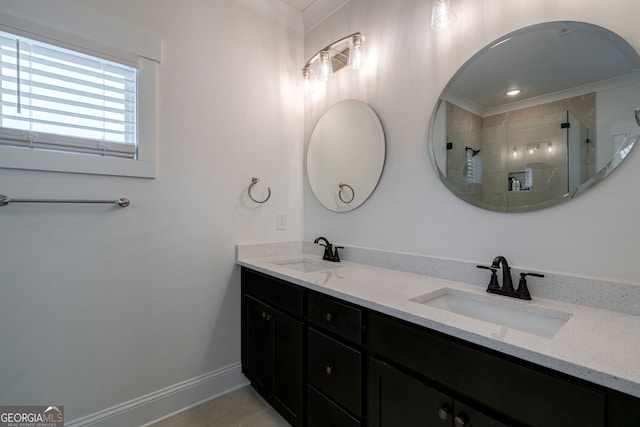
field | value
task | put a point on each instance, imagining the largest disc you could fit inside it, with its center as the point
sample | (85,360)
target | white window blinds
(56,99)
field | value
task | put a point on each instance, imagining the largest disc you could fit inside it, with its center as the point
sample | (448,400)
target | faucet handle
(522,290)
(336,255)
(493,283)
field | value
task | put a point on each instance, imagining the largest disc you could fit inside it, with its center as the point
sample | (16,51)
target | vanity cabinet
(321,362)
(273,342)
(518,392)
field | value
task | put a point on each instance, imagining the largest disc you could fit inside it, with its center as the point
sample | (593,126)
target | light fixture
(325,69)
(513,92)
(356,52)
(443,14)
(307,84)
(346,52)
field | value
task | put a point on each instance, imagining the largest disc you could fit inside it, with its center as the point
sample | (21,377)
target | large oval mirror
(345,155)
(571,119)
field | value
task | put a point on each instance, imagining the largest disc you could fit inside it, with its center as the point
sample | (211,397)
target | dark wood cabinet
(323,362)
(397,399)
(522,392)
(273,349)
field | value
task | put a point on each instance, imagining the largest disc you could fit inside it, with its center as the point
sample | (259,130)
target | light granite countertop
(596,345)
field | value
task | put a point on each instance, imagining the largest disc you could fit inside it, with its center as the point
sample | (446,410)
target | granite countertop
(596,345)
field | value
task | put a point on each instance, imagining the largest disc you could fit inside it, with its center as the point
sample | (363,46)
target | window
(84,100)
(62,100)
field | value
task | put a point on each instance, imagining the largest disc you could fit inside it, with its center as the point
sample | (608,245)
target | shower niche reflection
(544,151)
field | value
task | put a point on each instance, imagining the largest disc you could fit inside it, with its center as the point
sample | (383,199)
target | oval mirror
(537,117)
(346,155)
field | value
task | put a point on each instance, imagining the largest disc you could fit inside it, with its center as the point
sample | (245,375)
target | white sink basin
(499,310)
(307,265)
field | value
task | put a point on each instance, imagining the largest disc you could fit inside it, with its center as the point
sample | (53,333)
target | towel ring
(353,193)
(254,181)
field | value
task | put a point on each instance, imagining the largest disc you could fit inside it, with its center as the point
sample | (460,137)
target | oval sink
(307,265)
(499,310)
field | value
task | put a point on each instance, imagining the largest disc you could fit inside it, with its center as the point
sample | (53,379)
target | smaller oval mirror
(537,117)
(346,155)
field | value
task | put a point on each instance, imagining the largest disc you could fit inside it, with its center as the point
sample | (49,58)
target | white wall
(411,211)
(100,305)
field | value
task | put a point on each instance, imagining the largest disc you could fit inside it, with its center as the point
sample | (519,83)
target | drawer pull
(461,420)
(330,369)
(443,413)
(330,317)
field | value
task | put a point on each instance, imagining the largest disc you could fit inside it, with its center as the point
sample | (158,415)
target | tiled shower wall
(529,138)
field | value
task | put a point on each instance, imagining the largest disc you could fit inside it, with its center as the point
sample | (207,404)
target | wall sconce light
(325,69)
(443,14)
(346,52)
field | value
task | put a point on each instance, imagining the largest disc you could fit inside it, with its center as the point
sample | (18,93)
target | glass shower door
(577,153)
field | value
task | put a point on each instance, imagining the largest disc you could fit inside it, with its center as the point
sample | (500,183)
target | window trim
(145,57)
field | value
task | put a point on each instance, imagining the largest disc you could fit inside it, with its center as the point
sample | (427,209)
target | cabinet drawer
(324,413)
(533,396)
(336,370)
(275,292)
(335,316)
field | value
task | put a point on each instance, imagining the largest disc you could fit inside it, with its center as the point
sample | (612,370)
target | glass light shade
(356,52)
(306,80)
(443,14)
(325,70)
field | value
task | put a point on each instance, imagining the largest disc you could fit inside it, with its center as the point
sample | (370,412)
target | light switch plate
(281,221)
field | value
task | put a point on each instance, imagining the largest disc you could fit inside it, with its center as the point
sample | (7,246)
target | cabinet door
(273,357)
(396,399)
(288,340)
(257,343)
(513,388)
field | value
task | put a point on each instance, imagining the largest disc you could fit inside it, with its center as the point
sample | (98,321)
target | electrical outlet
(281,221)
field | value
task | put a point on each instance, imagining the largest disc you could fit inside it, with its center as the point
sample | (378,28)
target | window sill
(19,158)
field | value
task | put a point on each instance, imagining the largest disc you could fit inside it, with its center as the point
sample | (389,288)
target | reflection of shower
(577,152)
(473,166)
(473,152)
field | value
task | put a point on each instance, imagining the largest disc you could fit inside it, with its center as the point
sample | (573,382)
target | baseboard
(167,401)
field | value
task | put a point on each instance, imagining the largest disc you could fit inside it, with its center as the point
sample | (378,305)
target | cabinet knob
(329,317)
(461,420)
(264,314)
(443,413)
(330,369)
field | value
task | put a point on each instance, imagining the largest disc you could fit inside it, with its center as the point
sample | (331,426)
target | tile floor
(240,408)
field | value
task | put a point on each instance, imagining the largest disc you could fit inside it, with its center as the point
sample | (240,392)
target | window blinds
(56,99)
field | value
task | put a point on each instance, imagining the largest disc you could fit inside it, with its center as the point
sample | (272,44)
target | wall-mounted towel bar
(122,202)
